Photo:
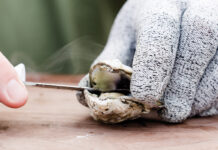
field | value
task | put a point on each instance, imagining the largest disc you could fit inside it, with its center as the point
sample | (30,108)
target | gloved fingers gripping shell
(193,24)
(158,34)
(157,37)
(198,45)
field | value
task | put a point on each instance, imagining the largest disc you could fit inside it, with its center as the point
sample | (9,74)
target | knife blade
(71,87)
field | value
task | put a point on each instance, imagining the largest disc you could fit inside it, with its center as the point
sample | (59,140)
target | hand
(12,91)
(172,48)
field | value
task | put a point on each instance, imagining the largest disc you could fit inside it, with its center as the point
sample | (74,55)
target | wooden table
(53,119)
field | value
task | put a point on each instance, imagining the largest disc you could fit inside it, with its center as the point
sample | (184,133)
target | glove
(172,47)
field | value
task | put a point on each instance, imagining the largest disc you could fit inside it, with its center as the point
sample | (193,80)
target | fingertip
(17,104)
(14,95)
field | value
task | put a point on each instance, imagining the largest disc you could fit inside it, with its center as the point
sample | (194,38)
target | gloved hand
(172,47)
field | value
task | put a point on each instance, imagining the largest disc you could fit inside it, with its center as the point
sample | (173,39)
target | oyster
(113,107)
(110,75)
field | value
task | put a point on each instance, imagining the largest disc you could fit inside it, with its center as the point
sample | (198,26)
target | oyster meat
(110,75)
(110,106)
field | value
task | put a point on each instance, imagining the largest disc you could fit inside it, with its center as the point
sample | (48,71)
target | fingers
(121,42)
(207,91)
(157,41)
(198,44)
(12,91)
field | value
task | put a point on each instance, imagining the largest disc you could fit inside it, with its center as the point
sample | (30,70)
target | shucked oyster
(113,107)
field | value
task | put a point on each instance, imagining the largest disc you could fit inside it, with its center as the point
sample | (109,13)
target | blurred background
(55,36)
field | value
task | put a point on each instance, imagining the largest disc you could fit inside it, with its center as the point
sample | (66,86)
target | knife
(71,87)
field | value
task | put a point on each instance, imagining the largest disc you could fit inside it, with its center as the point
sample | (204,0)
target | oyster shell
(110,75)
(113,107)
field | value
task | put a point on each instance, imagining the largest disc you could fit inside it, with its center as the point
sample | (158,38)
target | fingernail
(16,91)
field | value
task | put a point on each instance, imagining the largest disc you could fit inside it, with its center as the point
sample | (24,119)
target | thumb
(12,91)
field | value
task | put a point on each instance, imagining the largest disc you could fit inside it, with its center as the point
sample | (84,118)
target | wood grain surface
(53,119)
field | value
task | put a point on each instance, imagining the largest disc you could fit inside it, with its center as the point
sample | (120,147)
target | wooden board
(53,119)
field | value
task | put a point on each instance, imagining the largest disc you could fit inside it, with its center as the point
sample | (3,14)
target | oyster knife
(70,87)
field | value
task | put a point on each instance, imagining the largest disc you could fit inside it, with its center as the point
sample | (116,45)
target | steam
(73,58)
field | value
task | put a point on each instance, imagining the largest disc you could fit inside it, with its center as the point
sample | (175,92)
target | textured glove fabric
(206,98)
(196,49)
(172,47)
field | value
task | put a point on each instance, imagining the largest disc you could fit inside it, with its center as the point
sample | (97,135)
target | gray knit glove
(172,47)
